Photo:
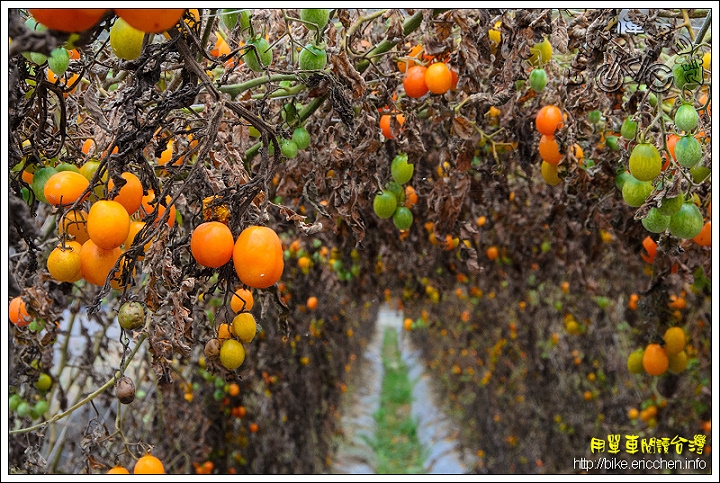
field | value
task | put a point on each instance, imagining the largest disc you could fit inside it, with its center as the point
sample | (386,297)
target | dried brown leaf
(463,128)
(346,71)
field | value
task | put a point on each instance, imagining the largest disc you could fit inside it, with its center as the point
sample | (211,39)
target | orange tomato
(258,257)
(655,360)
(17,311)
(151,20)
(385,121)
(131,193)
(414,81)
(212,244)
(548,120)
(549,150)
(68,19)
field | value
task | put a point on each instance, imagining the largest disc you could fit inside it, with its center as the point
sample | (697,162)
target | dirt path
(354,455)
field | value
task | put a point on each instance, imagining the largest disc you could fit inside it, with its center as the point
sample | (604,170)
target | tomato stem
(236,89)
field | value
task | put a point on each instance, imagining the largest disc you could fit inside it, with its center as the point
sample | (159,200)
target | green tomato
(612,143)
(301,138)
(14,401)
(400,169)
(670,206)
(23,409)
(688,151)
(402,218)
(538,79)
(595,116)
(635,192)
(686,117)
(264,51)
(620,179)
(39,409)
(131,315)
(229,17)
(38,183)
(245,19)
(655,222)
(699,173)
(312,57)
(65,166)
(645,162)
(687,222)
(315,18)
(396,189)
(688,75)
(44,382)
(384,204)
(288,148)
(628,129)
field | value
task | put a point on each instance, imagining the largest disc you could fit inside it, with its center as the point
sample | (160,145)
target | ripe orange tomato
(212,244)
(438,78)
(414,52)
(64,187)
(151,20)
(548,120)
(149,465)
(68,19)
(18,313)
(385,120)
(96,263)
(108,224)
(549,150)
(655,360)
(149,204)
(258,257)
(242,300)
(130,194)
(414,81)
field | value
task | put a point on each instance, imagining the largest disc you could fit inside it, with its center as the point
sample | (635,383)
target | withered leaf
(463,128)
(465,156)
(345,71)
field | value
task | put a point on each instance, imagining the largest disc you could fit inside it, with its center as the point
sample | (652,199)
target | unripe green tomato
(400,169)
(312,57)
(229,17)
(288,148)
(538,79)
(44,382)
(23,409)
(301,138)
(612,143)
(245,19)
(699,173)
(688,75)
(39,409)
(14,401)
(628,129)
(316,18)
(655,222)
(384,204)
(595,116)
(687,222)
(131,315)
(686,117)
(402,218)
(688,151)
(265,52)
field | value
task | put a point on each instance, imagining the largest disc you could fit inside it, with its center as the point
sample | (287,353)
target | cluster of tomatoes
(393,202)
